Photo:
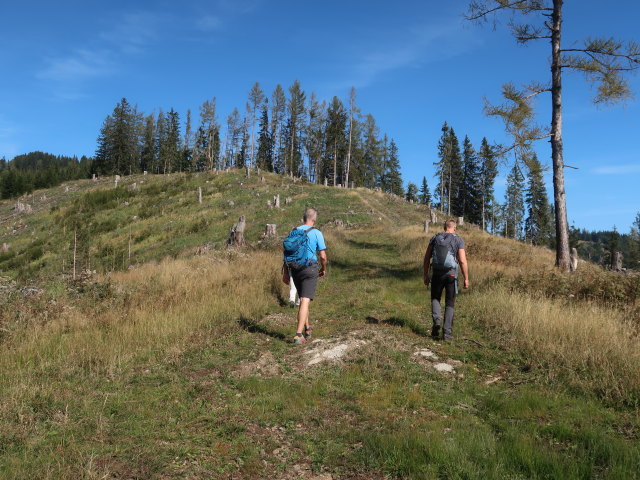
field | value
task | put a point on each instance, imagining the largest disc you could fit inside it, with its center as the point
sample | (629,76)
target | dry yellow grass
(593,346)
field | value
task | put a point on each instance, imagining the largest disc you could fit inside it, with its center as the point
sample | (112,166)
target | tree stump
(338,223)
(117,179)
(236,234)
(248,172)
(134,186)
(262,179)
(269,204)
(574,259)
(426,226)
(353,184)
(231,203)
(434,216)
(5,247)
(617,261)
(93,177)
(326,182)
(270,230)
(276,201)
(288,200)
(144,173)
(199,194)
(460,221)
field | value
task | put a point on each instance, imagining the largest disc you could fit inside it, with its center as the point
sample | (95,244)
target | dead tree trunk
(199,194)
(426,226)
(276,201)
(617,261)
(117,179)
(460,221)
(574,259)
(236,234)
(434,216)
(270,230)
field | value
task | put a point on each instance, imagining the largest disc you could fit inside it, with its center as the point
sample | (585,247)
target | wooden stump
(434,216)
(262,179)
(617,261)
(270,230)
(460,221)
(5,247)
(199,194)
(269,204)
(338,223)
(426,226)
(236,234)
(117,179)
(574,260)
(276,201)
(93,177)
(288,200)
(326,182)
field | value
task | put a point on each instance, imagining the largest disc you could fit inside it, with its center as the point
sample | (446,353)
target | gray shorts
(306,281)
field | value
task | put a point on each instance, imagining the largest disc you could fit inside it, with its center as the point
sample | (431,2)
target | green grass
(186,399)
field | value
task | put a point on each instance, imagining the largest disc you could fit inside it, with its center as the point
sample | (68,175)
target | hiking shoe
(435,332)
(299,338)
(308,332)
(292,304)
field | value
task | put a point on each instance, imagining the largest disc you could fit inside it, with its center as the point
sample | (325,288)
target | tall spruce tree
(488,174)
(393,170)
(537,227)
(117,150)
(296,111)
(425,194)
(336,142)
(264,156)
(315,138)
(256,97)
(514,203)
(278,110)
(371,169)
(602,60)
(449,171)
(470,193)
(148,150)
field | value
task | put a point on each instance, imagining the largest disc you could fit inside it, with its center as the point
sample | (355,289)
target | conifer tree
(488,174)
(602,60)
(634,235)
(514,203)
(393,170)
(538,223)
(296,111)
(449,172)
(352,113)
(425,194)
(207,145)
(412,193)
(371,169)
(278,109)
(187,145)
(148,150)
(256,97)
(471,184)
(264,157)
(315,138)
(117,150)
(173,150)
(336,141)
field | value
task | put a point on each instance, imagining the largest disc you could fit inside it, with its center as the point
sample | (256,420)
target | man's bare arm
(323,262)
(426,265)
(462,260)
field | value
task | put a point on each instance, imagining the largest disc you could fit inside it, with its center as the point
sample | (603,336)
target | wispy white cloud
(617,169)
(424,43)
(79,65)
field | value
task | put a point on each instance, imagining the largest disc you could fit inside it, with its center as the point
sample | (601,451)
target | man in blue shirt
(306,278)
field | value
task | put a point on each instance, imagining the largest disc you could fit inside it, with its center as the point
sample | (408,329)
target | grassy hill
(173,359)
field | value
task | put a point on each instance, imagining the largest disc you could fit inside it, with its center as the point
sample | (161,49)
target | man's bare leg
(303,314)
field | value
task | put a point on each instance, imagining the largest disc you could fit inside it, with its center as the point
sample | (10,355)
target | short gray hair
(310,214)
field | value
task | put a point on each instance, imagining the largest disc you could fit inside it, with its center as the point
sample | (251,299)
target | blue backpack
(295,247)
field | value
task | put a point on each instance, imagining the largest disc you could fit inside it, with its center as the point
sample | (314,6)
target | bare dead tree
(603,61)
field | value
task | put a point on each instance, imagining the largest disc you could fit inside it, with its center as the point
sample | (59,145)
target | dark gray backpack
(443,256)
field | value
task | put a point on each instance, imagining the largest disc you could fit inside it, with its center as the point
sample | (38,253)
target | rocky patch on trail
(331,351)
(426,356)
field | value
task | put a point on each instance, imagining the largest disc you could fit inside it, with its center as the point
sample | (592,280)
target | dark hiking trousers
(443,281)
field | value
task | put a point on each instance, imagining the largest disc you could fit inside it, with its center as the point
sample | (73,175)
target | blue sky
(414,64)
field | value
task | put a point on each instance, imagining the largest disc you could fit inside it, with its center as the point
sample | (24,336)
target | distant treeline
(35,170)
(600,246)
(292,134)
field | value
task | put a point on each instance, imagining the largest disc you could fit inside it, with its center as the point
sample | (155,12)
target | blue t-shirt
(316,243)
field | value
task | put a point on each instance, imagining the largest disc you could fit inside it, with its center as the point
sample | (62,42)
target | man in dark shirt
(445,278)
